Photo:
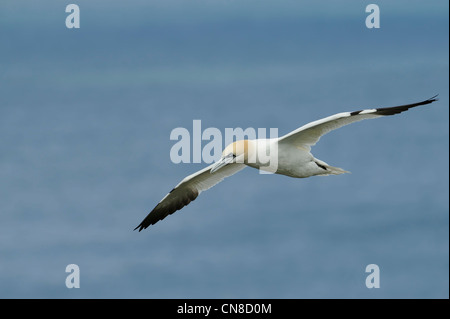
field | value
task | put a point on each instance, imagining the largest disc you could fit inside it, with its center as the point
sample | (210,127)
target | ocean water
(85,121)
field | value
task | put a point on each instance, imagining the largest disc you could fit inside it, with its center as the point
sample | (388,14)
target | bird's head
(236,152)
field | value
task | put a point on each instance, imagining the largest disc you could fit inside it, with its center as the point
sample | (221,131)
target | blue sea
(85,122)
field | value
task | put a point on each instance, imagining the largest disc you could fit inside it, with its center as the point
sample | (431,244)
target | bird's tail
(328,169)
(336,170)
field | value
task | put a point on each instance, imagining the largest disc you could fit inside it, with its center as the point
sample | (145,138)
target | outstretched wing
(187,191)
(309,134)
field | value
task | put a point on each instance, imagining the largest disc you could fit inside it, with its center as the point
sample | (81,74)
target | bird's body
(295,162)
(287,155)
(292,161)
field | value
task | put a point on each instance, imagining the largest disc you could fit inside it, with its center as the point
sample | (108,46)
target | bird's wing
(188,190)
(309,134)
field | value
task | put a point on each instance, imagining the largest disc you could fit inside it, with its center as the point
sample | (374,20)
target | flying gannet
(293,158)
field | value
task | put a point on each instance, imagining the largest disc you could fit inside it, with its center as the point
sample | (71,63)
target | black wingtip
(402,108)
(433,98)
(428,101)
(140,226)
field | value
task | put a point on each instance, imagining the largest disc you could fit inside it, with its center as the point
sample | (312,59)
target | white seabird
(293,152)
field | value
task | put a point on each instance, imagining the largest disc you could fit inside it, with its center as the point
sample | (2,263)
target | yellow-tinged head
(238,148)
(236,152)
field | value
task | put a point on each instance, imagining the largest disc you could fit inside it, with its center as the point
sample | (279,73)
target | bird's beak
(224,160)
